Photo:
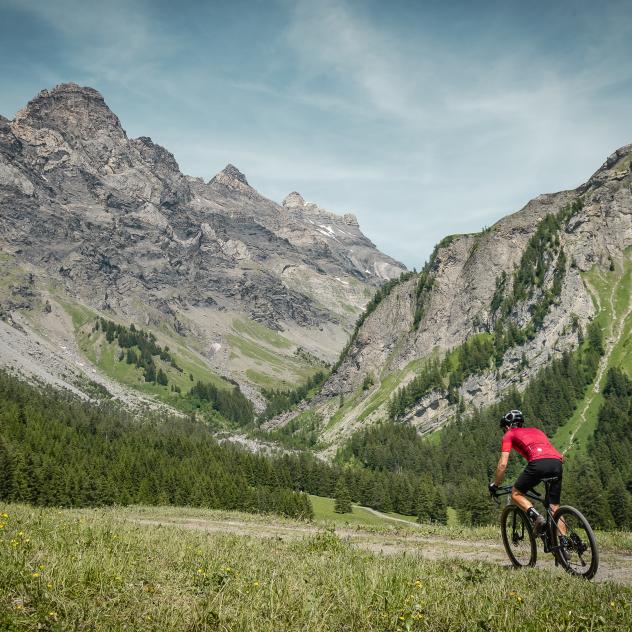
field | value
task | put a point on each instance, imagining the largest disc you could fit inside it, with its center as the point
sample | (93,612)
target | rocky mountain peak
(294,200)
(617,166)
(230,176)
(72,110)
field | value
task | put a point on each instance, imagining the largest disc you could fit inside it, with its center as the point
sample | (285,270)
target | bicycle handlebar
(505,490)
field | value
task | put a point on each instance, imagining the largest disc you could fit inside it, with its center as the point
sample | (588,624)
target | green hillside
(610,290)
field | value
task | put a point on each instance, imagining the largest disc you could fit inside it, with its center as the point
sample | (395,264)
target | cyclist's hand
(492,489)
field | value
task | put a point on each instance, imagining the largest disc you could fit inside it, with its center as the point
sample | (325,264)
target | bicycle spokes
(517,537)
(574,542)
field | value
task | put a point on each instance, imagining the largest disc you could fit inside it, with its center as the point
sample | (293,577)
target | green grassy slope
(324,512)
(69,570)
(266,358)
(611,291)
(105,356)
(273,361)
(377,396)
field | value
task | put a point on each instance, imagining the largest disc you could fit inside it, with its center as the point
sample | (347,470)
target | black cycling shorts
(536,471)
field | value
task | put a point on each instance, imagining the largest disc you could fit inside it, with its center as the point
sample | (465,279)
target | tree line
(230,402)
(58,450)
(278,401)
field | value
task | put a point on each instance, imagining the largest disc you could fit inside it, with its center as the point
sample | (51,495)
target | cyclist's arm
(501,467)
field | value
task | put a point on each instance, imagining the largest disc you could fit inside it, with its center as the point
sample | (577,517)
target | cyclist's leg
(526,481)
(555,496)
(520,499)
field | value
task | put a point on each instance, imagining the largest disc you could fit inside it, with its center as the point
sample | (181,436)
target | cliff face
(460,294)
(112,224)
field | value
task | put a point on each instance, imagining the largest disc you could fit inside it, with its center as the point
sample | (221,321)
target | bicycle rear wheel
(518,537)
(577,553)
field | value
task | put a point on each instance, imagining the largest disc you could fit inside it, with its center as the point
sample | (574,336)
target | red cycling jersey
(531,443)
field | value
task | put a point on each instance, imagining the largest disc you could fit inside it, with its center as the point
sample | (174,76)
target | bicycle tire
(566,559)
(509,519)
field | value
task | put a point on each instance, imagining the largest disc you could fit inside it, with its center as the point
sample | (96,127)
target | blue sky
(423,118)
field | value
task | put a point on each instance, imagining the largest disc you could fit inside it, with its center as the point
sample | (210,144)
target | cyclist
(543,461)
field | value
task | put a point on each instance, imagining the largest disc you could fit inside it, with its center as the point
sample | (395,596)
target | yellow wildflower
(35,574)
(5,516)
(49,585)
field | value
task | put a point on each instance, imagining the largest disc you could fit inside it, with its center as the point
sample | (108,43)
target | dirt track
(613,566)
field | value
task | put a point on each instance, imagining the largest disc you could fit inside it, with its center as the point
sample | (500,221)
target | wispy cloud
(422,118)
(330,38)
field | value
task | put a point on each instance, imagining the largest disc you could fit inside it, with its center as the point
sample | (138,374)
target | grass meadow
(100,570)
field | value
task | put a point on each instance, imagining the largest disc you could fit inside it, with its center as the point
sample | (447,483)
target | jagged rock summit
(99,221)
(294,200)
(72,110)
(231,177)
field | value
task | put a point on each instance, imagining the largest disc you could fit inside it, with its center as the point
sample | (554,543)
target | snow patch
(328,229)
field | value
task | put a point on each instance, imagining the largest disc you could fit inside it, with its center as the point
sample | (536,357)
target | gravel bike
(567,535)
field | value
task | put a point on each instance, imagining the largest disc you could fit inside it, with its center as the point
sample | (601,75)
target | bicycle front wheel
(577,548)
(518,537)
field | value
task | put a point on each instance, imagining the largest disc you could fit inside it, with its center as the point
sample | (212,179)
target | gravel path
(614,566)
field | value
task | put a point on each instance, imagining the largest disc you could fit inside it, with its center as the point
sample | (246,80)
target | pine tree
(161,378)
(620,501)
(586,492)
(6,472)
(342,502)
